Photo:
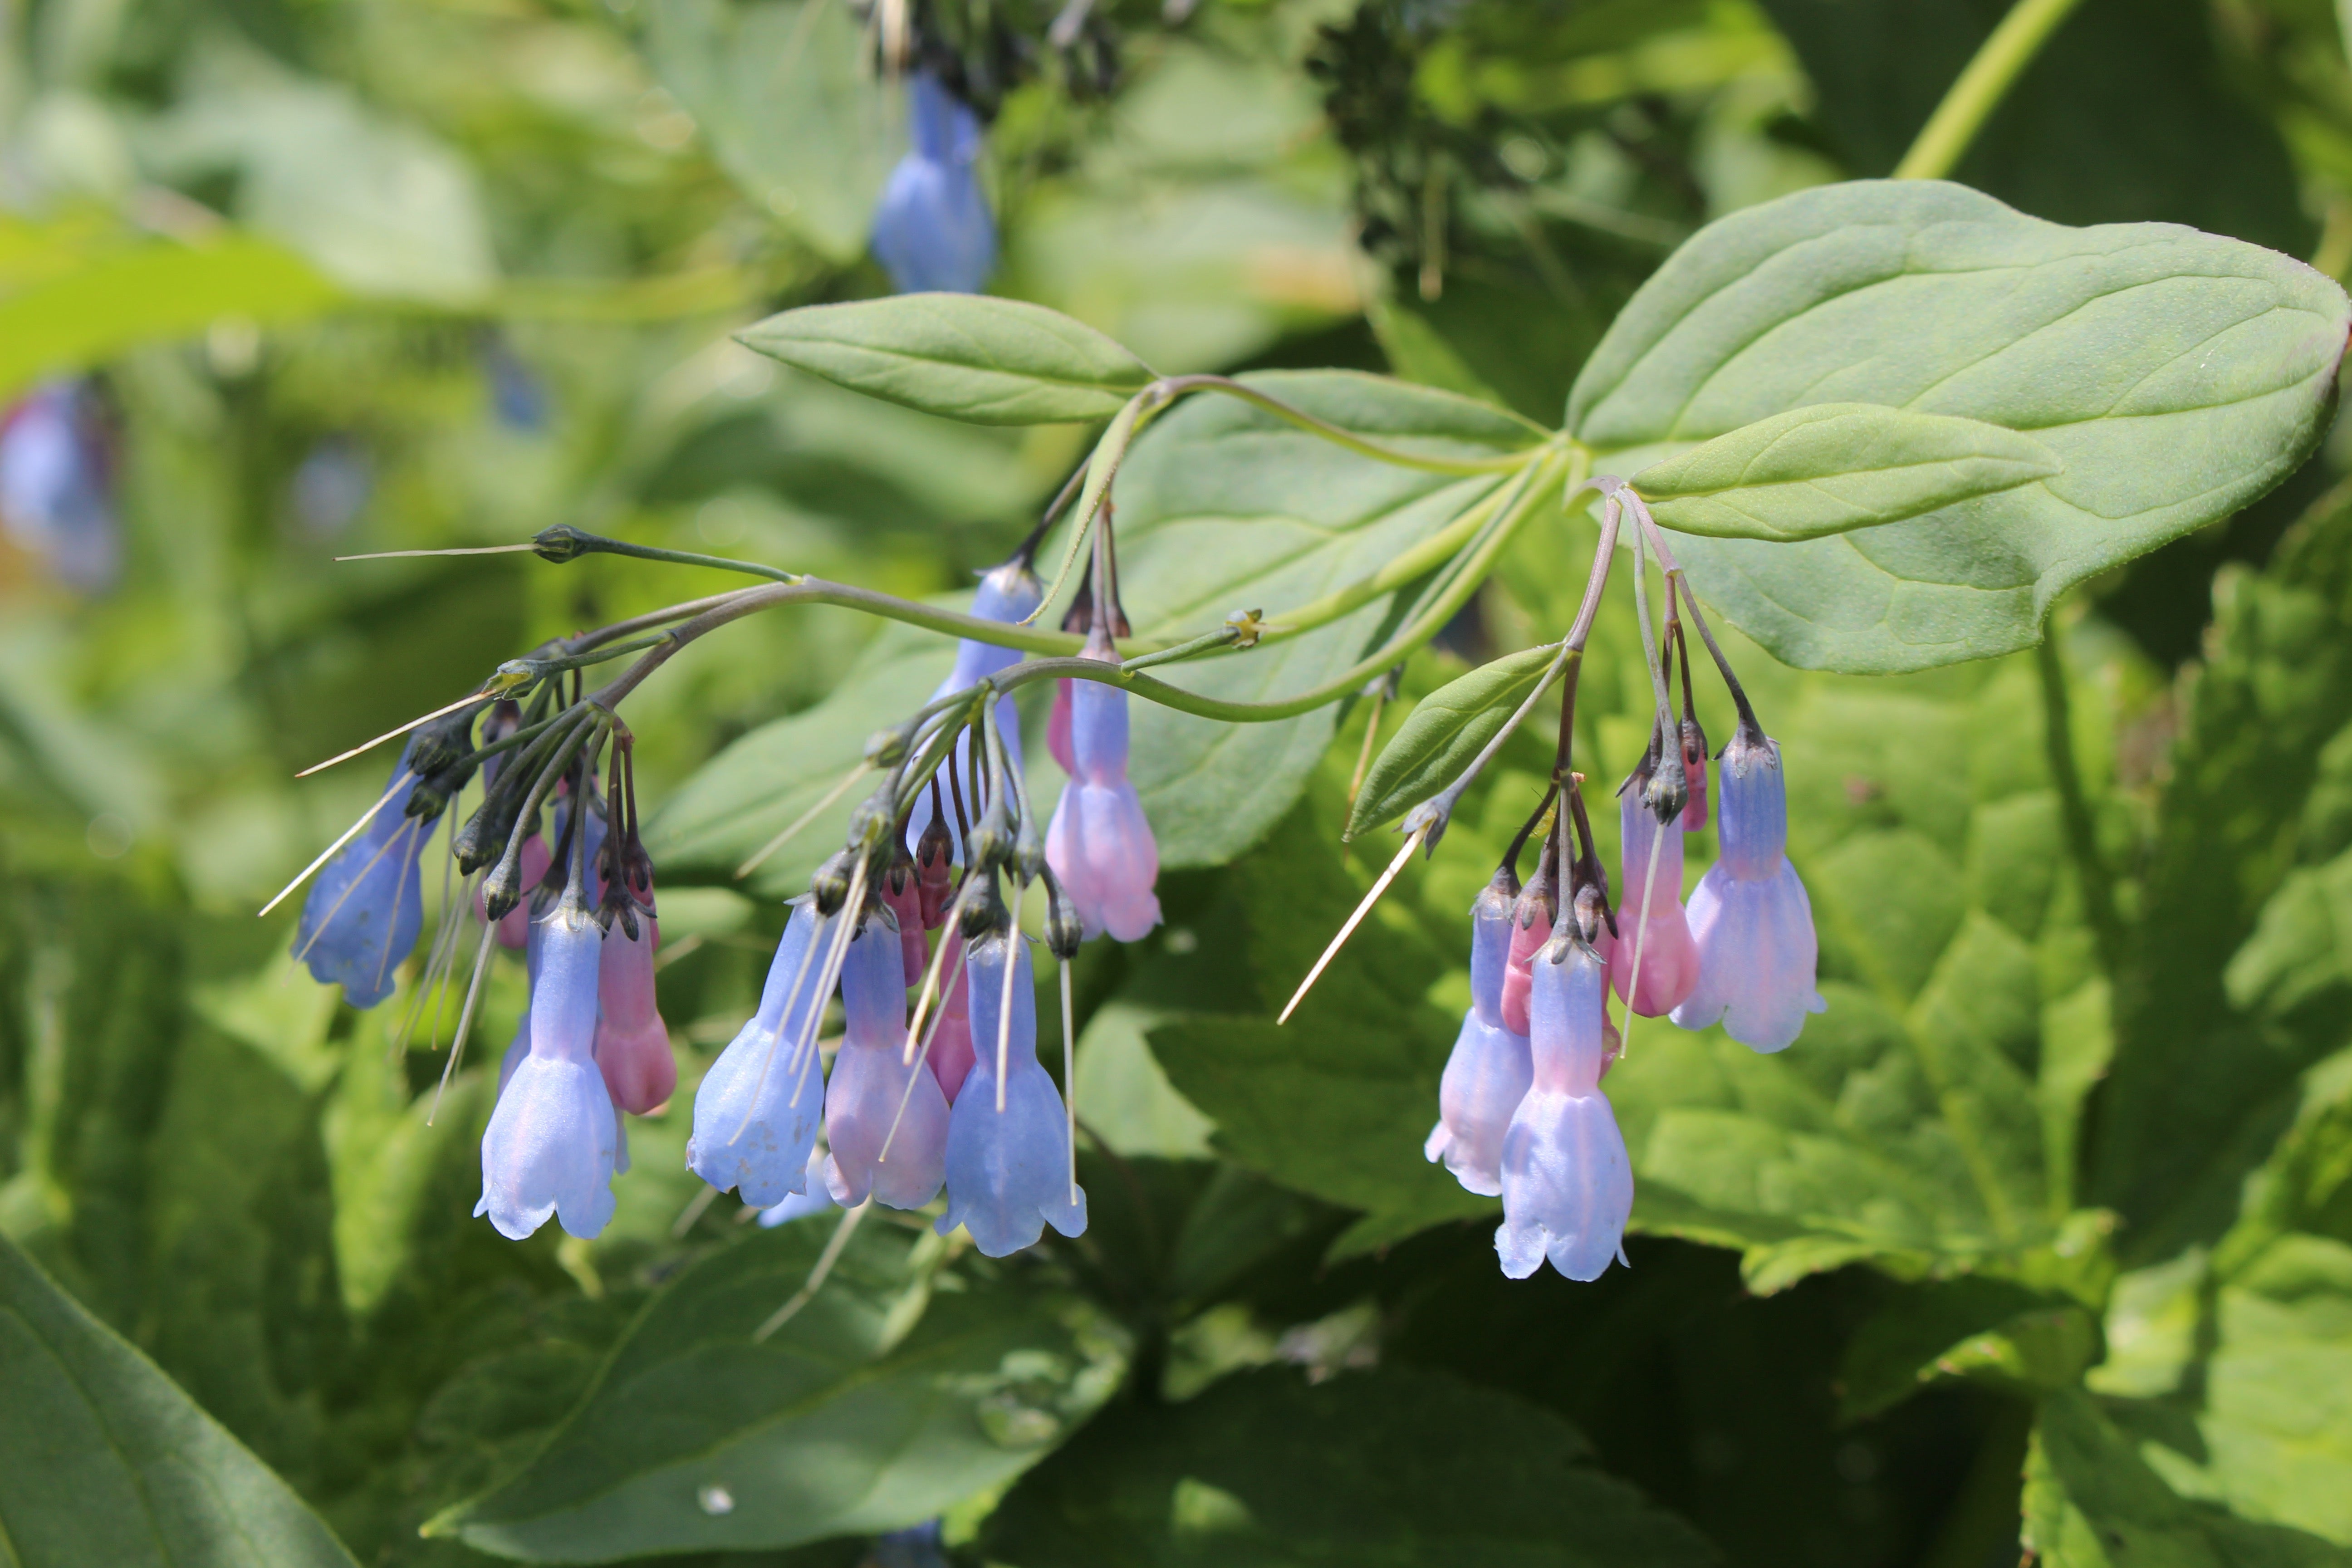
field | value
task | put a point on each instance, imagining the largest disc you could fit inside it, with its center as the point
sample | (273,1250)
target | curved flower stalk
(1099,843)
(1750,918)
(632,1042)
(1567,1187)
(553,1139)
(1650,864)
(1010,593)
(1490,1071)
(932,230)
(755,1118)
(872,1081)
(364,914)
(1008,1155)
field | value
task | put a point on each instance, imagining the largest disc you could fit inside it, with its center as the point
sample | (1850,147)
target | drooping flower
(1750,919)
(800,1206)
(872,1081)
(364,913)
(1099,843)
(932,230)
(553,1142)
(1490,1071)
(632,1042)
(904,894)
(1057,728)
(519,1047)
(1009,594)
(757,1110)
(1532,915)
(1567,1187)
(1652,919)
(951,1053)
(1008,1169)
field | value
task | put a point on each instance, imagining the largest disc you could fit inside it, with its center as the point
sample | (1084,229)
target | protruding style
(1008,1166)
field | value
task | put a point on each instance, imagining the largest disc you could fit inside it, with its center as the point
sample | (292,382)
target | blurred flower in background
(56,484)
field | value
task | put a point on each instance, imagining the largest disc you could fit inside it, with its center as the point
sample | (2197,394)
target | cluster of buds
(1521,1111)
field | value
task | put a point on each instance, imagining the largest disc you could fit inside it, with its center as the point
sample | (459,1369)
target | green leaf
(1992,1330)
(1836,467)
(2091,1501)
(2231,984)
(797,118)
(74,293)
(1447,730)
(1393,1466)
(967,356)
(2176,376)
(878,1406)
(103,1460)
(1223,507)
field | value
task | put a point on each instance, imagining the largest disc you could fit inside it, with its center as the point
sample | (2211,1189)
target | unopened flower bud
(502,890)
(560,543)
(869,824)
(830,882)
(885,748)
(444,741)
(1063,929)
(1694,742)
(1665,790)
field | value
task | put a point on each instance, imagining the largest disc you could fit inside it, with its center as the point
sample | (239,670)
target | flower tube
(872,1080)
(1008,1167)
(1750,920)
(1490,1071)
(932,230)
(1567,1187)
(755,1119)
(552,1140)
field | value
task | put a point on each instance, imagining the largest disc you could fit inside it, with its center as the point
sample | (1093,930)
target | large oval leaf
(103,1460)
(1447,730)
(1835,467)
(1223,507)
(967,356)
(847,1421)
(2176,376)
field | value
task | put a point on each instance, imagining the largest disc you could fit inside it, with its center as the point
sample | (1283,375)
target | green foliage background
(2043,1233)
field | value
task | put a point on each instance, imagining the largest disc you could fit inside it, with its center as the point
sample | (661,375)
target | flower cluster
(1521,1111)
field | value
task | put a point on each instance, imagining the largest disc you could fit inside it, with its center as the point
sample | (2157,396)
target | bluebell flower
(1099,843)
(800,1206)
(756,1110)
(1011,593)
(535,943)
(1567,1187)
(364,913)
(933,231)
(553,1139)
(1490,1071)
(1658,928)
(1750,919)
(56,485)
(632,1042)
(1008,1169)
(872,1080)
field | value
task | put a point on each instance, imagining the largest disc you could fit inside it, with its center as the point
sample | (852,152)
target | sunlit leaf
(2174,375)
(1448,729)
(967,356)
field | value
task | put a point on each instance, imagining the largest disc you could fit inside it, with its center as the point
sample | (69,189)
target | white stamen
(353,831)
(781,839)
(464,1020)
(1069,1078)
(824,1262)
(1411,843)
(391,735)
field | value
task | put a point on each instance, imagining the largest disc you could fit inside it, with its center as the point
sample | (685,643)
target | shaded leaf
(103,1460)
(967,356)
(877,1407)
(1447,730)
(1834,467)
(1994,1331)
(1393,1466)
(2174,375)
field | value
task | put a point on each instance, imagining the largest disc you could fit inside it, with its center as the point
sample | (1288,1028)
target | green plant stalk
(1978,90)
(1176,386)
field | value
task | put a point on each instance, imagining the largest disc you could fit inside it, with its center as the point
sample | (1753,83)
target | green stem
(565,542)
(1979,87)
(1175,387)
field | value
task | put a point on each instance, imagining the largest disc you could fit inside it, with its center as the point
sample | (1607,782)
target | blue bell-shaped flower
(756,1110)
(1099,843)
(872,1080)
(931,230)
(1008,1166)
(1567,1187)
(1490,1071)
(553,1139)
(364,913)
(1750,917)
